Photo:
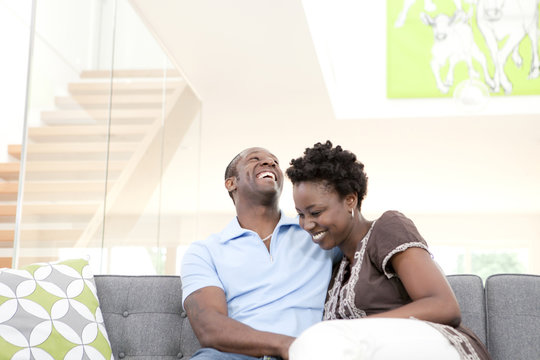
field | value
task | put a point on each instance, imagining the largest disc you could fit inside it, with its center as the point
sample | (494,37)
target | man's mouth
(266,175)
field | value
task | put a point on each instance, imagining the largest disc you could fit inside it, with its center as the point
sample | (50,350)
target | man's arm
(207,312)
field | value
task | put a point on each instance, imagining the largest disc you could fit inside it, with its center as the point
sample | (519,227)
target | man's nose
(269,162)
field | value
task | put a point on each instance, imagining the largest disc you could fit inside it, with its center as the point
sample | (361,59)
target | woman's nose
(307,224)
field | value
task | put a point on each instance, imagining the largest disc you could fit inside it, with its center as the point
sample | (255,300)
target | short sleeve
(198,270)
(393,233)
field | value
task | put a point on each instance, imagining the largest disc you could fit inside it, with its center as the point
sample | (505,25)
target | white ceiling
(255,69)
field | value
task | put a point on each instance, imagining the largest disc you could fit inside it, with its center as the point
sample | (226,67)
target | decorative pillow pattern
(51,311)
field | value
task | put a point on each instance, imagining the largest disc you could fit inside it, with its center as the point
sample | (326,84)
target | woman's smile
(317,237)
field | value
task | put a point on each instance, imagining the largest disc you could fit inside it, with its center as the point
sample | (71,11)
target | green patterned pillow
(51,311)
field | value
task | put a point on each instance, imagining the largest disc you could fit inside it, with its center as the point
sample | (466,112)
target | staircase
(77,147)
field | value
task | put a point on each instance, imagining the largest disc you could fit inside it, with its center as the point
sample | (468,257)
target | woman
(387,279)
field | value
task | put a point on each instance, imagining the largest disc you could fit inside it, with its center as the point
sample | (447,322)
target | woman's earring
(352,213)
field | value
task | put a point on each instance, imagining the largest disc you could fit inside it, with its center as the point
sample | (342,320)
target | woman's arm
(432,297)
(207,312)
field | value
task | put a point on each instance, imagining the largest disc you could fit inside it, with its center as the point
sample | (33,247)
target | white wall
(14,42)
(256,69)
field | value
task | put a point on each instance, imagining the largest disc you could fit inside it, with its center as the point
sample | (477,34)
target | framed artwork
(436,48)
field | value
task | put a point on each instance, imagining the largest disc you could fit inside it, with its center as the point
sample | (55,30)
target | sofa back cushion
(513,303)
(469,292)
(144,318)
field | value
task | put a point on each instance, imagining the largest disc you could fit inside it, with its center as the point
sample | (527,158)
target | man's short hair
(231,169)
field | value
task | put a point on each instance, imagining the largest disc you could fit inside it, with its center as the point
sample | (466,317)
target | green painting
(436,46)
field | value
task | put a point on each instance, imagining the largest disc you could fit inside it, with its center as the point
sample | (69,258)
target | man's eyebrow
(259,152)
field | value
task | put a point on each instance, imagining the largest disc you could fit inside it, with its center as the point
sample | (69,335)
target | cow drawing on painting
(453,43)
(429,6)
(508,21)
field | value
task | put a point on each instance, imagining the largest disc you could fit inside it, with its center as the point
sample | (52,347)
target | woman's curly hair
(337,167)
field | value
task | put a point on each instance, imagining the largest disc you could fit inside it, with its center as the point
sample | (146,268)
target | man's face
(259,173)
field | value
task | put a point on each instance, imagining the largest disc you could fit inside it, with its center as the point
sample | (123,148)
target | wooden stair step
(9,170)
(42,235)
(8,209)
(47,209)
(58,208)
(62,170)
(8,191)
(131,87)
(72,170)
(40,151)
(70,166)
(35,191)
(129,73)
(93,116)
(7,236)
(5,262)
(64,186)
(55,190)
(87,132)
(36,213)
(134,101)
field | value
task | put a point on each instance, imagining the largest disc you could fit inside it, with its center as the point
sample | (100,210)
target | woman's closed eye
(315,213)
(312,214)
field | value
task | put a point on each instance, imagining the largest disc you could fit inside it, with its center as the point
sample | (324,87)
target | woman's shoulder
(393,233)
(392,217)
(395,224)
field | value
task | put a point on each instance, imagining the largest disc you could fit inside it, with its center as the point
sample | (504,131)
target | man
(252,288)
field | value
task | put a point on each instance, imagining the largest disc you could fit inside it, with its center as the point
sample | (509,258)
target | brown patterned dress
(370,285)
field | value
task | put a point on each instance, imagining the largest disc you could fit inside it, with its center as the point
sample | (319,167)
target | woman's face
(323,213)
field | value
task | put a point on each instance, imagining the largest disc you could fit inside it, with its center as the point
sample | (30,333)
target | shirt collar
(233,230)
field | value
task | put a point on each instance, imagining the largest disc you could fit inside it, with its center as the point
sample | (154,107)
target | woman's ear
(352,201)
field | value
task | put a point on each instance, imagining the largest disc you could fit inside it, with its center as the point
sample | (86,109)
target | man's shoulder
(288,220)
(209,242)
(201,251)
(229,231)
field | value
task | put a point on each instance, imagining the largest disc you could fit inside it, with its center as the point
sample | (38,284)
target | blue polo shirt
(281,291)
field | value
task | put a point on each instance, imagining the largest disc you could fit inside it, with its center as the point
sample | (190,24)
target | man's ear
(230,184)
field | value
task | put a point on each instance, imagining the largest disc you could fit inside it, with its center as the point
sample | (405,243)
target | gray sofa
(144,317)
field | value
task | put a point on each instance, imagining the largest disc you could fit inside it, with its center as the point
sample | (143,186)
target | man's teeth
(266,174)
(319,236)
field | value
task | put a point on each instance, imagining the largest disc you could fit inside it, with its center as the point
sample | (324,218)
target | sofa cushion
(144,317)
(469,292)
(513,306)
(51,311)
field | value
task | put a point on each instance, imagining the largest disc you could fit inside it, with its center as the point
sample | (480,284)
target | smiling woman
(386,272)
